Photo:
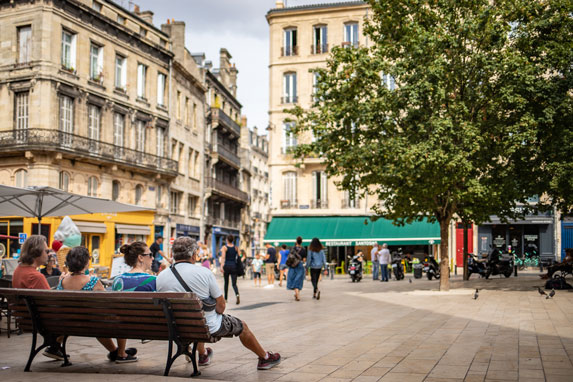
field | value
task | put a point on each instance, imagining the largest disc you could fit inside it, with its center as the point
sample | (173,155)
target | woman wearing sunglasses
(138,256)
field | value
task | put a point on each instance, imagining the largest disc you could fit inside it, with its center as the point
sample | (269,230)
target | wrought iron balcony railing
(226,189)
(219,117)
(319,48)
(286,204)
(289,50)
(223,222)
(56,140)
(227,154)
(318,203)
(350,203)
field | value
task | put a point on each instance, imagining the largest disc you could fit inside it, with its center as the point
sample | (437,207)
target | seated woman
(77,261)
(138,256)
(565,266)
(51,267)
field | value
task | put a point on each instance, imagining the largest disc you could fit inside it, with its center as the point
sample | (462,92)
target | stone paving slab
(367,331)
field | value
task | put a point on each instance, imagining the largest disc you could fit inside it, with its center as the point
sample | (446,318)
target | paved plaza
(370,331)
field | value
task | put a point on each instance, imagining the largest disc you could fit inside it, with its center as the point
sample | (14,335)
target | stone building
(226,182)
(187,137)
(260,187)
(84,89)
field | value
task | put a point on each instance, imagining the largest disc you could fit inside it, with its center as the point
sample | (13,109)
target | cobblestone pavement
(368,331)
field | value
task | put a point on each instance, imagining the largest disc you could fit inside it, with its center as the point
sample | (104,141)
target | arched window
(21,177)
(64,182)
(138,194)
(115,190)
(92,186)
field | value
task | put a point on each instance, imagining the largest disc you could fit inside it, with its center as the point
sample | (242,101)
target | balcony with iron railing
(350,203)
(314,203)
(213,221)
(289,51)
(80,146)
(226,189)
(289,99)
(287,204)
(319,48)
(227,153)
(220,118)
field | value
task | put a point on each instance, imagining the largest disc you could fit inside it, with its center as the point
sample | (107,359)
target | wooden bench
(174,317)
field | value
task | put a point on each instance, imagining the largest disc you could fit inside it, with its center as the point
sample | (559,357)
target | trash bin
(418,271)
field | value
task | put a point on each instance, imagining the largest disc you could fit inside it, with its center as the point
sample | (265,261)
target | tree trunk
(444,258)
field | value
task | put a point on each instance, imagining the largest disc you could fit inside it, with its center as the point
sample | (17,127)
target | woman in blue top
(138,256)
(296,273)
(283,254)
(316,261)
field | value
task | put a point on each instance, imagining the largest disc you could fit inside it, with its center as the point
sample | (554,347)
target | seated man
(565,266)
(202,282)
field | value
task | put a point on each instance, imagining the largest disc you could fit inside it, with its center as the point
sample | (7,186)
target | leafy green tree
(457,135)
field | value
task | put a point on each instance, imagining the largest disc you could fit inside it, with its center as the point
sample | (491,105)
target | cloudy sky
(238,25)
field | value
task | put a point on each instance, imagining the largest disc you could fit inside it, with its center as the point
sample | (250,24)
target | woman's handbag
(240,267)
(293,259)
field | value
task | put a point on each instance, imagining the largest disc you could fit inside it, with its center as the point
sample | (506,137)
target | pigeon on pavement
(541,292)
(551,294)
(476,294)
(410,280)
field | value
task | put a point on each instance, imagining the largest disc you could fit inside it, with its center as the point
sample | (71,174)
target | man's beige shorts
(270,268)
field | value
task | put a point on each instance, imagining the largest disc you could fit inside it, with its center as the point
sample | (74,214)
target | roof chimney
(147,16)
(280,4)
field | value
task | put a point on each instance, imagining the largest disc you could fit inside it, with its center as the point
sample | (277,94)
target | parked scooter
(476,265)
(355,269)
(397,267)
(431,267)
(497,264)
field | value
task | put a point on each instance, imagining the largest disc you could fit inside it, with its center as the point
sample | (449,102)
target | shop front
(187,230)
(344,236)
(218,237)
(102,233)
(534,234)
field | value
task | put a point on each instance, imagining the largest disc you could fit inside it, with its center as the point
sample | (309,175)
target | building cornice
(313,8)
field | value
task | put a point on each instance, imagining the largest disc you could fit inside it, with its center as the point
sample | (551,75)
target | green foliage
(483,96)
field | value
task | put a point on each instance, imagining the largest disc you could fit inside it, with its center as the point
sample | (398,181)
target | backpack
(293,258)
(557,283)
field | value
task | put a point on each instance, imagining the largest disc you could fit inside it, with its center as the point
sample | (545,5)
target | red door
(460,243)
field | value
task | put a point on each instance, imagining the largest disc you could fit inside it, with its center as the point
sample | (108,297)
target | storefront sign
(22,237)
(530,237)
(339,243)
(499,241)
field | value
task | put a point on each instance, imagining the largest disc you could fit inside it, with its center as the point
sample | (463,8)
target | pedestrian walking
(229,263)
(316,261)
(157,253)
(296,272)
(283,254)
(270,263)
(375,262)
(257,268)
(385,259)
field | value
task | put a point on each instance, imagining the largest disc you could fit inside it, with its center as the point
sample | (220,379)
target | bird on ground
(410,280)
(551,294)
(541,292)
(476,294)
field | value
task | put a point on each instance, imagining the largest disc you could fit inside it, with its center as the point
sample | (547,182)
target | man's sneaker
(205,359)
(54,352)
(128,358)
(272,360)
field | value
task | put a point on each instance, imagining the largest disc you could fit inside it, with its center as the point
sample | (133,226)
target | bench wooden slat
(22,310)
(117,305)
(199,321)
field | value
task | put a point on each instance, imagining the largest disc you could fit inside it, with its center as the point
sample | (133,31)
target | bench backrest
(134,315)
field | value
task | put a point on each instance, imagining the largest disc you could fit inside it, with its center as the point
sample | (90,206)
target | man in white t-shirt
(385,259)
(203,283)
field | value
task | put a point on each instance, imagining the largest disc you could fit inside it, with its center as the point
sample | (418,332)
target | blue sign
(22,237)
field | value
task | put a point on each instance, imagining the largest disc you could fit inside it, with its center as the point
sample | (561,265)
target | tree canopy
(446,110)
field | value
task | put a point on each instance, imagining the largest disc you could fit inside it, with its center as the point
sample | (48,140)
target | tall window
(96,6)
(94,119)
(289,138)
(115,187)
(64,181)
(289,86)
(120,73)
(138,194)
(194,121)
(319,39)
(178,104)
(141,80)
(289,189)
(140,136)
(160,141)
(350,202)
(351,35)
(21,178)
(118,129)
(159,196)
(24,44)
(161,89)
(186,116)
(290,47)
(389,82)
(174,202)
(319,189)
(92,186)
(66,119)
(191,206)
(68,50)
(21,114)
(96,63)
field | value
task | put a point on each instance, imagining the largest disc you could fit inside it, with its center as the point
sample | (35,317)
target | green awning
(350,230)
